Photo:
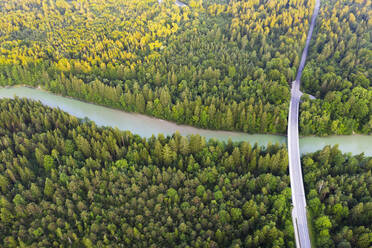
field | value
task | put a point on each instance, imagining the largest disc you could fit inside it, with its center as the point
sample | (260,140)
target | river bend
(147,126)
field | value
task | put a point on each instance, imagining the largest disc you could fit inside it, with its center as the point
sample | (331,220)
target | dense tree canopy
(212,64)
(220,64)
(339,70)
(339,197)
(64,182)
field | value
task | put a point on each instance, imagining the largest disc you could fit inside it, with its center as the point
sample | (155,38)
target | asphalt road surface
(299,215)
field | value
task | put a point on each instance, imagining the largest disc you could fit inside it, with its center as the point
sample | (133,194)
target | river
(147,126)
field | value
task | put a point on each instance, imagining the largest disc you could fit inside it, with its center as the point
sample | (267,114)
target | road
(177,2)
(299,215)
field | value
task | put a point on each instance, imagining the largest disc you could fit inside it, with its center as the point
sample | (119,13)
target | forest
(217,64)
(66,182)
(213,64)
(339,190)
(338,71)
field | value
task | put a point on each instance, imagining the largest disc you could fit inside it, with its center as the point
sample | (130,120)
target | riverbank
(146,126)
(41,88)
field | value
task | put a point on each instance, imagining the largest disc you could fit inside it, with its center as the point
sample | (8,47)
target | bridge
(299,213)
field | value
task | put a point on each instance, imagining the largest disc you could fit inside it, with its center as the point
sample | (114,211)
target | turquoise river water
(147,126)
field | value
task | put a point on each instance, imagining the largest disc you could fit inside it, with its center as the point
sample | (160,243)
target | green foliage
(218,195)
(214,64)
(48,163)
(48,188)
(236,214)
(172,193)
(125,190)
(322,223)
(339,71)
(339,197)
(200,190)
